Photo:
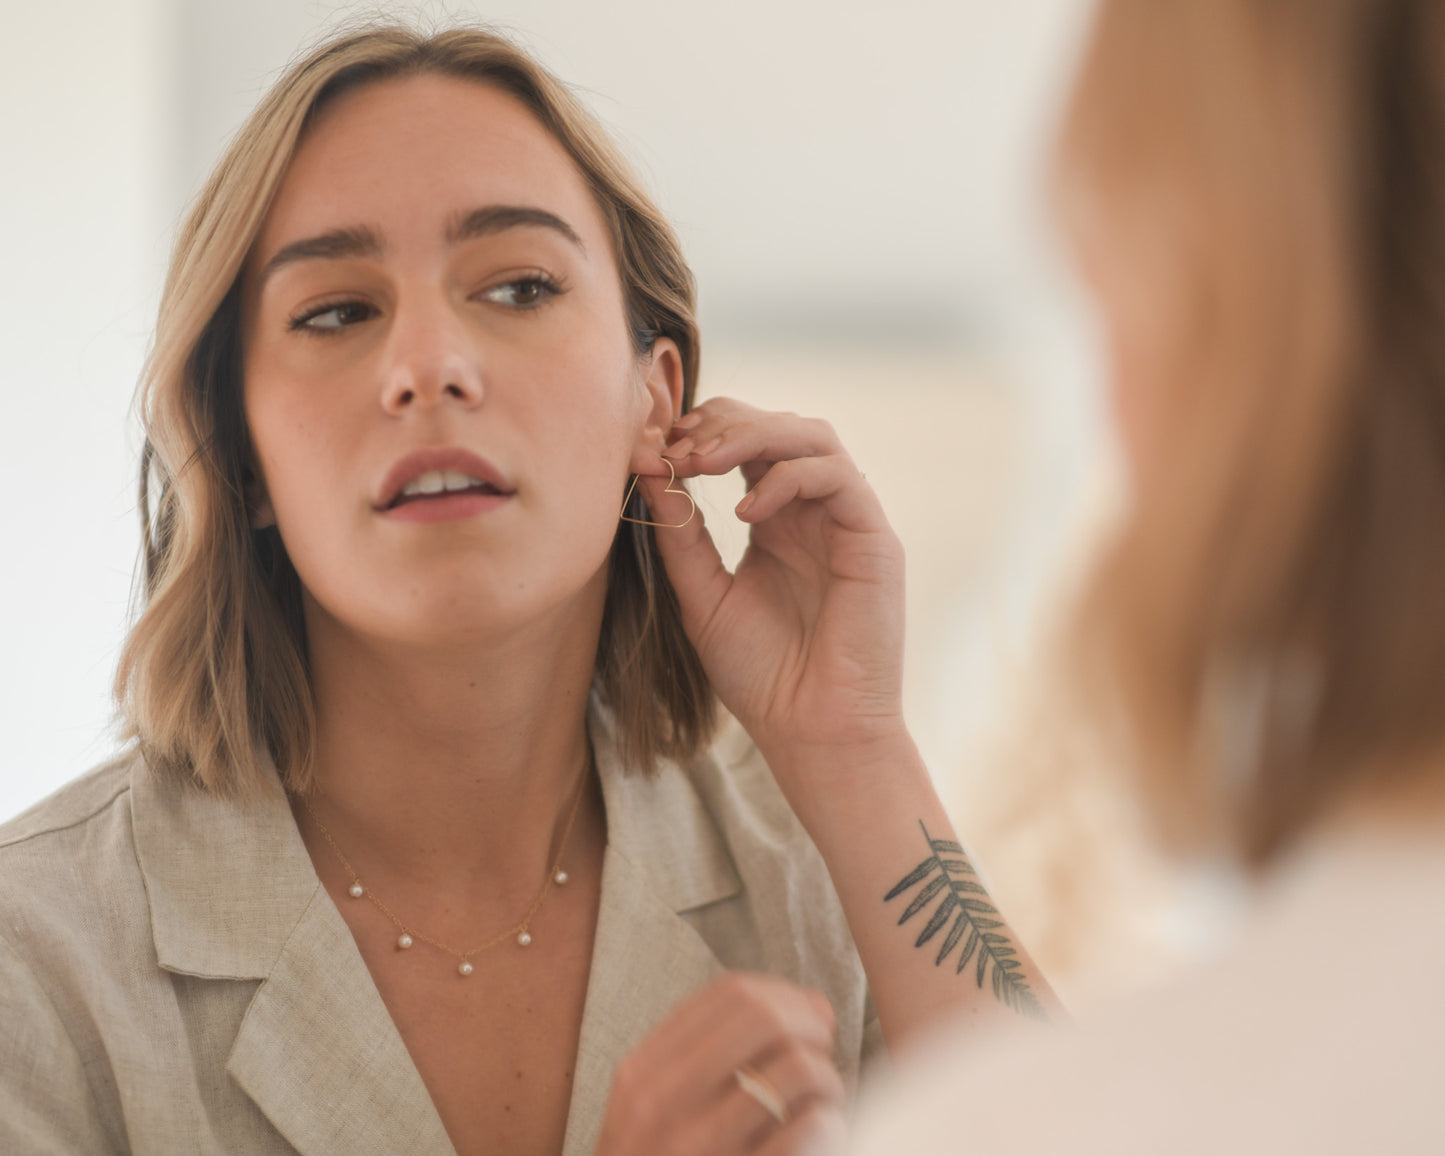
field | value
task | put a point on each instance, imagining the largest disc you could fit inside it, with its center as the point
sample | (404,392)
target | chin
(476,613)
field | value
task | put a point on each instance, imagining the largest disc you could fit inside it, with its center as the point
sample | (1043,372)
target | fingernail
(687,421)
(742,506)
(708,446)
(678,449)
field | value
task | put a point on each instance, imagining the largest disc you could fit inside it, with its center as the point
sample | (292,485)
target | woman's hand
(804,643)
(679,1091)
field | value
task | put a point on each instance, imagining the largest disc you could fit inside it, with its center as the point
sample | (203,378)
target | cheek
(289,442)
(298,436)
(585,426)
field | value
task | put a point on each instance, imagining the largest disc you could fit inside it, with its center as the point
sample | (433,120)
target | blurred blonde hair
(213,679)
(1270,617)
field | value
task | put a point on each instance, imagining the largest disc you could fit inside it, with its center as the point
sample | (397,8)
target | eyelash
(548,287)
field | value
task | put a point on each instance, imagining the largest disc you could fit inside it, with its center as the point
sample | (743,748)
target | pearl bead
(404,941)
(560,878)
(465,967)
(525,938)
(357,891)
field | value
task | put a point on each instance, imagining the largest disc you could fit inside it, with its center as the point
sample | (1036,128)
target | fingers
(816,1131)
(679,1092)
(742,1015)
(833,481)
(801,1077)
(722,434)
(804,1081)
(694,566)
(783,457)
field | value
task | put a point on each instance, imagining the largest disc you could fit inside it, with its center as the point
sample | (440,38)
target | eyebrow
(333,245)
(361,241)
(499,218)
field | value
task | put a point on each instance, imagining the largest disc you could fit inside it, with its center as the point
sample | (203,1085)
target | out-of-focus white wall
(85,215)
(859,190)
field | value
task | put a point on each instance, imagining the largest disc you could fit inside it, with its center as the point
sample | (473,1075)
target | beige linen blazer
(175,979)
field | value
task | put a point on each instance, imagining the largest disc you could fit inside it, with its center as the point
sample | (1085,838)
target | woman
(422,846)
(1258,195)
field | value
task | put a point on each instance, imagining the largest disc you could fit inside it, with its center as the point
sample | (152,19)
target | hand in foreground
(679,1092)
(804,643)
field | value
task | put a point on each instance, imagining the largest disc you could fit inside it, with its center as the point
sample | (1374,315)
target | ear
(662,385)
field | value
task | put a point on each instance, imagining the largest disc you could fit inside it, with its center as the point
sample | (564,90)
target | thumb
(693,563)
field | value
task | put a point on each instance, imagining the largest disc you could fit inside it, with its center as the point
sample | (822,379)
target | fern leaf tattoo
(948,876)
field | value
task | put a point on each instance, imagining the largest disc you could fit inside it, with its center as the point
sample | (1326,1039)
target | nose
(430,357)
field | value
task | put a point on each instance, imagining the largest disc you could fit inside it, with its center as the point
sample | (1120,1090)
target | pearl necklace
(408,936)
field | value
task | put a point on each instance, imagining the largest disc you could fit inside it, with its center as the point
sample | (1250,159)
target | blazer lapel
(233,896)
(646,960)
(664,857)
(320,1056)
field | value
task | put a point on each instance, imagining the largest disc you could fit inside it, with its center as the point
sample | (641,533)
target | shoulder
(72,911)
(81,801)
(51,854)
(71,890)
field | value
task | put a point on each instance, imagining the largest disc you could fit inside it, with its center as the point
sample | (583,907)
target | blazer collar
(660,825)
(227,879)
(233,895)
(320,1056)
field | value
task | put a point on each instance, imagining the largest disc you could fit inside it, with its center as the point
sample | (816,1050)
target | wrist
(842,791)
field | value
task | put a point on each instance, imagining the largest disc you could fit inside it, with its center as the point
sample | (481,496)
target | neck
(452,769)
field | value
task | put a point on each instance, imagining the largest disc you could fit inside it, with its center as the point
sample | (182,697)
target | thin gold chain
(514,931)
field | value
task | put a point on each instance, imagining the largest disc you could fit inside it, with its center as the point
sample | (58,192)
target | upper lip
(419,462)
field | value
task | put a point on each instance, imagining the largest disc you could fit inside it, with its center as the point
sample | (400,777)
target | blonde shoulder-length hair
(1273,612)
(213,679)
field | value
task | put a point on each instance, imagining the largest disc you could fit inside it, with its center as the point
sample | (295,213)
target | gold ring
(756,1085)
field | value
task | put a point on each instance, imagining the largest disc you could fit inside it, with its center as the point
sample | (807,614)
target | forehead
(407,155)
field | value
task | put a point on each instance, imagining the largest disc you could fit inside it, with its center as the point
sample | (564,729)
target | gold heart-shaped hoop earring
(672,481)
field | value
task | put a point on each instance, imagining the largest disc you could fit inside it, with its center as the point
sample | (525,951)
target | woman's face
(439,381)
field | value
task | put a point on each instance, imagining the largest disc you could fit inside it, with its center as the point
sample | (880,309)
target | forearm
(931,939)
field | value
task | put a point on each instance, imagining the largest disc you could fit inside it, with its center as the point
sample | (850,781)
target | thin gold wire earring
(671,482)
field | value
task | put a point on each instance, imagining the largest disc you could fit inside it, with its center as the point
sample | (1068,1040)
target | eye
(333,318)
(523,292)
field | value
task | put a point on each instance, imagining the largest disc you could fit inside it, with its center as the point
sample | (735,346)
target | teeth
(435,481)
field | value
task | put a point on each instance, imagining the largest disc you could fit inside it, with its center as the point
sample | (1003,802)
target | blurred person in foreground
(1256,192)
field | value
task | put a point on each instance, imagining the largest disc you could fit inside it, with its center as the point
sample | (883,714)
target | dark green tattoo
(952,879)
